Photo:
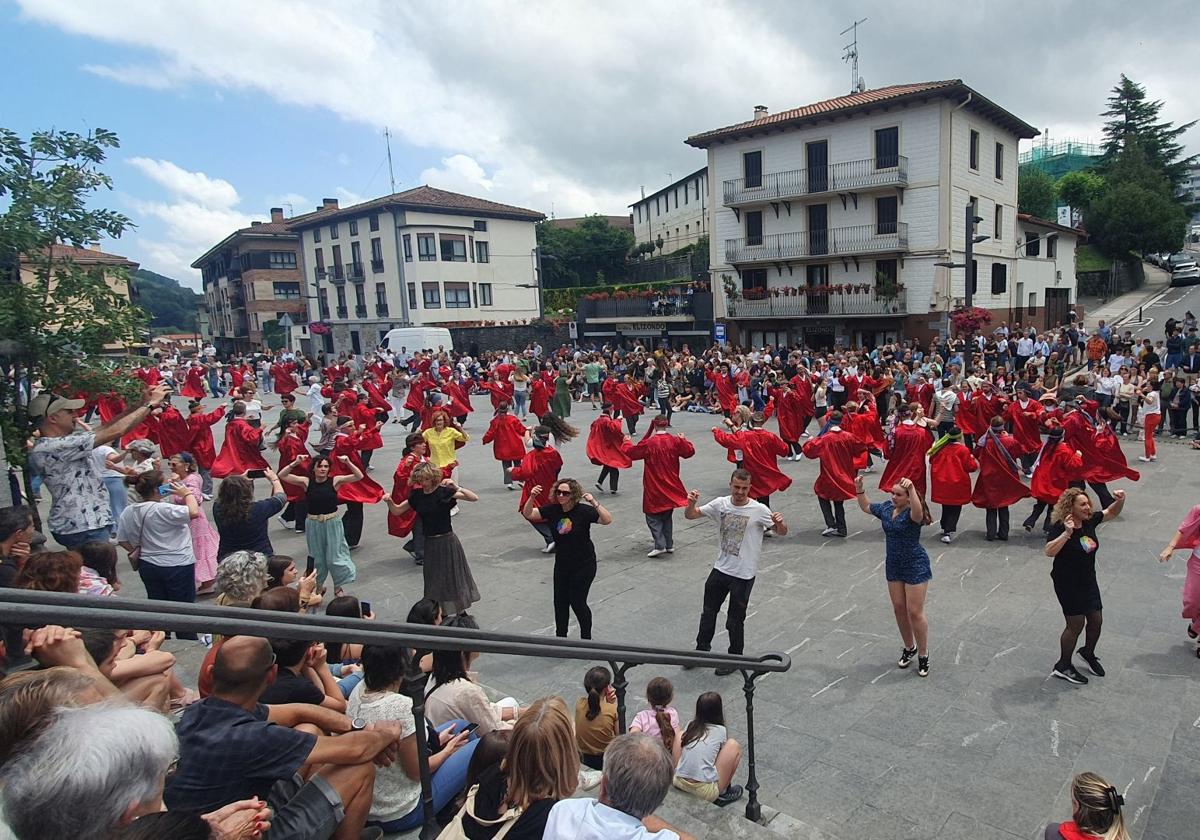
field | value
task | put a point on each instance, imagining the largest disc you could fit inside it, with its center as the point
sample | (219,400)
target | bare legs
(908,604)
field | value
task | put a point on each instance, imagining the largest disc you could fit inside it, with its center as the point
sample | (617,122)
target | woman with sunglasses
(574,553)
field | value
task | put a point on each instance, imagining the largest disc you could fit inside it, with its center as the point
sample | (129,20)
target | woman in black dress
(448,578)
(1073,544)
(574,554)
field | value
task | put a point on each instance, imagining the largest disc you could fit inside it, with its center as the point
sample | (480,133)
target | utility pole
(969,250)
(537,253)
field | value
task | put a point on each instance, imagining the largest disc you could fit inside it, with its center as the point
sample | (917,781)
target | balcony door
(818,229)
(817,301)
(817,162)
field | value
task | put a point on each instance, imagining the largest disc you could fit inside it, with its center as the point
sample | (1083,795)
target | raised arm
(121,424)
(915,506)
(529,509)
(355,472)
(604,517)
(286,473)
(1118,502)
(860,495)
(692,511)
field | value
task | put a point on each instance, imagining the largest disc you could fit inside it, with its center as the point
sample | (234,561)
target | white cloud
(139,75)
(347,197)
(180,183)
(292,203)
(460,173)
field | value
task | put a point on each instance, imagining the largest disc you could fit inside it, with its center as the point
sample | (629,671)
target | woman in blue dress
(907,565)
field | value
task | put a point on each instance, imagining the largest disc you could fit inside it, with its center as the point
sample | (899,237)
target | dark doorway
(818,229)
(817,303)
(1058,305)
(817,159)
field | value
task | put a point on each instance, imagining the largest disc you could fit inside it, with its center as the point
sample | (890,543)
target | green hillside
(172,307)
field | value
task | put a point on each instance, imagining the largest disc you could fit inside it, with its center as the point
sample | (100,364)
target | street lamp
(972,239)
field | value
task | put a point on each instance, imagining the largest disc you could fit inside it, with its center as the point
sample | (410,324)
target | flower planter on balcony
(813,302)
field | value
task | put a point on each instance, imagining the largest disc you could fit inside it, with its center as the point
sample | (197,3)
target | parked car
(1185,274)
(1178,259)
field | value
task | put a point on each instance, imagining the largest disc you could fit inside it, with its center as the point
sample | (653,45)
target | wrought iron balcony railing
(817,244)
(849,176)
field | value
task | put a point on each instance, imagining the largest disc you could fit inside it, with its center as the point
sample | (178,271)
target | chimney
(276,214)
(255,224)
(761,111)
(328,204)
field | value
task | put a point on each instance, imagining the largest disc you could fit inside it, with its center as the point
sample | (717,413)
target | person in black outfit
(574,554)
(1073,543)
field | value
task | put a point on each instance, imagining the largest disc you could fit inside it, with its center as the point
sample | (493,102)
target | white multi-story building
(423,256)
(828,220)
(675,216)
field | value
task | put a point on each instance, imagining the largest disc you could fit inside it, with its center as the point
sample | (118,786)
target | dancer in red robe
(727,389)
(1025,416)
(291,445)
(459,392)
(201,443)
(241,450)
(1103,459)
(366,423)
(789,409)
(1057,467)
(354,494)
(416,452)
(170,429)
(950,468)
(837,450)
(506,434)
(627,399)
(539,468)
(281,375)
(604,448)
(760,450)
(500,390)
(193,383)
(662,488)
(999,484)
(539,397)
(905,452)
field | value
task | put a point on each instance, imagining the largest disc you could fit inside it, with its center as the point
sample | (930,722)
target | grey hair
(241,577)
(637,774)
(81,775)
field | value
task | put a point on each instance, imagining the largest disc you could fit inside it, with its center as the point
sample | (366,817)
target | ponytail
(596,681)
(666,730)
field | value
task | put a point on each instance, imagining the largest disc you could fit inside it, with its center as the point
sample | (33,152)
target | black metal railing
(354,270)
(377,265)
(343,312)
(657,306)
(885,171)
(360,312)
(35,609)
(337,272)
(808,244)
(812,302)
(381,310)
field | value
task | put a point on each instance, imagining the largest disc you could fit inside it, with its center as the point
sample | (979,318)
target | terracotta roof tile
(89,255)
(423,197)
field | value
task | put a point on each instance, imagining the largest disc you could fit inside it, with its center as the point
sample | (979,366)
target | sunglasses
(562,492)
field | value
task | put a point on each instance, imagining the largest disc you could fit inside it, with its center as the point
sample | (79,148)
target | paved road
(983,748)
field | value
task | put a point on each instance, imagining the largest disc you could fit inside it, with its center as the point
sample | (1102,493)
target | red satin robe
(506,434)
(604,443)
(760,449)
(950,471)
(539,467)
(240,450)
(906,456)
(662,488)
(837,450)
(998,485)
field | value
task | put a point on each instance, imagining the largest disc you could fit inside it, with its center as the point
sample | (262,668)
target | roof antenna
(850,55)
(387,139)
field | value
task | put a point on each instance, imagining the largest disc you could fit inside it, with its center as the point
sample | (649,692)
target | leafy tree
(171,307)
(274,335)
(1080,189)
(579,253)
(1138,211)
(56,315)
(1035,192)
(1134,118)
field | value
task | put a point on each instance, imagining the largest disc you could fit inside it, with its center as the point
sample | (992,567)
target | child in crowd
(596,717)
(98,575)
(661,720)
(709,757)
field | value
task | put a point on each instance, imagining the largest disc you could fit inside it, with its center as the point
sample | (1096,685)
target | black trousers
(572,582)
(1103,496)
(794,447)
(764,500)
(950,514)
(352,522)
(506,469)
(631,422)
(1038,507)
(835,514)
(719,586)
(612,474)
(366,454)
(997,523)
(1178,421)
(296,513)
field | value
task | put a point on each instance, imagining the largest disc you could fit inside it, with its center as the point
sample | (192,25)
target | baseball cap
(43,405)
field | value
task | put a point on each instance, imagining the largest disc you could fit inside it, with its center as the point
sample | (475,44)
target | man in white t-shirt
(743,522)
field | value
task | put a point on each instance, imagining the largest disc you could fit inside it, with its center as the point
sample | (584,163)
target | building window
(337,261)
(639,213)
(458,296)
(657,208)
(687,193)
(1033,245)
(281,259)
(286,291)
(333,231)
(754,278)
(974,277)
(886,209)
(481,225)
(973,152)
(485,294)
(481,251)
(431,295)
(380,295)
(354,227)
(356,258)
(360,296)
(752,168)
(998,222)
(316,234)
(407,247)
(323,305)
(454,248)
(754,227)
(887,147)
(886,274)
(340,291)
(1052,247)
(1000,161)
(999,279)
(373,221)
(376,254)
(677,198)
(426,247)
(412,296)
(320,253)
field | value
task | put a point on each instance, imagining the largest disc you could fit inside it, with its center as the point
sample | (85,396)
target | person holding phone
(323,528)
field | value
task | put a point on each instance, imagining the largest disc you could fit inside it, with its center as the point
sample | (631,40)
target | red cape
(1055,471)
(1026,423)
(604,443)
(760,449)
(291,447)
(837,450)
(998,485)
(401,525)
(538,467)
(906,456)
(950,473)
(789,408)
(172,432)
(193,384)
(662,488)
(240,450)
(364,490)
(201,443)
(507,436)
(285,383)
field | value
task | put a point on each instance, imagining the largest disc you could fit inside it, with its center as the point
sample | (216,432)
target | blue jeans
(519,402)
(71,541)
(446,783)
(118,498)
(348,682)
(170,583)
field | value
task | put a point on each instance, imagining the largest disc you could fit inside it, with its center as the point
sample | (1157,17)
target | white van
(418,338)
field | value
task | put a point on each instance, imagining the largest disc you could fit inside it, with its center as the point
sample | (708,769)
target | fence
(690,266)
(35,609)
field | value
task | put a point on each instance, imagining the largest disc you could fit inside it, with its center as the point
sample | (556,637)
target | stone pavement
(1125,306)
(848,744)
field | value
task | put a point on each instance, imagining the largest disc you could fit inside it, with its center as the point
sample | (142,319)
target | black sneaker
(732,794)
(1069,674)
(724,672)
(906,657)
(1093,662)
(1192,634)
(922,666)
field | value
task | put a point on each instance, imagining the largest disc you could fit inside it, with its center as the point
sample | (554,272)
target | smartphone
(470,727)
(310,566)
(165,490)
(366,607)
(256,474)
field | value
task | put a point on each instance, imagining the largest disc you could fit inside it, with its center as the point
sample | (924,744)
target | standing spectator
(110,464)
(241,521)
(204,538)
(1095,812)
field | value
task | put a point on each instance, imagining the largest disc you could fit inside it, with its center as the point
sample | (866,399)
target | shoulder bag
(135,556)
(454,829)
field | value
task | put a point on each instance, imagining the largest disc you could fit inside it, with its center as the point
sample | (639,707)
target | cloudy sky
(227,108)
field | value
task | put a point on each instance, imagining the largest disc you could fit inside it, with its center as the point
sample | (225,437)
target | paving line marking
(1146,778)
(843,653)
(881,676)
(994,588)
(1005,652)
(831,685)
(974,736)
(1054,738)
(846,613)
(958,653)
(795,648)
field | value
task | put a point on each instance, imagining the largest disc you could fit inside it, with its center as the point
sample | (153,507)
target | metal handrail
(880,171)
(30,608)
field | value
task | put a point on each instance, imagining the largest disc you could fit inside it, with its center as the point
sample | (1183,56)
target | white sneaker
(510,486)
(454,510)
(805,434)
(654,552)
(946,538)
(549,549)
(1145,460)
(207,497)
(829,532)
(669,550)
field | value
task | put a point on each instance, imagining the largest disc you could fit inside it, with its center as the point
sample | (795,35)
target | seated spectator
(242,522)
(661,720)
(28,699)
(345,606)
(16,532)
(489,751)
(637,776)
(710,757)
(99,573)
(54,646)
(596,717)
(232,748)
(147,678)
(540,769)
(302,675)
(453,694)
(426,611)
(397,804)
(1096,812)
(51,571)
(282,571)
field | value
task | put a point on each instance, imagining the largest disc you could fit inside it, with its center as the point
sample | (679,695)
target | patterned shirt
(80,497)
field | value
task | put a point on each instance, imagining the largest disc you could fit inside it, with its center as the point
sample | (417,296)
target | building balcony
(236,301)
(814,302)
(354,271)
(360,312)
(343,312)
(323,312)
(850,176)
(381,310)
(377,266)
(818,244)
(668,307)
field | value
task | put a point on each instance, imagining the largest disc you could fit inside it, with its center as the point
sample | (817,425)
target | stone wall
(509,338)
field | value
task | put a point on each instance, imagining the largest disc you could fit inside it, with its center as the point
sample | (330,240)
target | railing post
(620,685)
(753,808)
(414,687)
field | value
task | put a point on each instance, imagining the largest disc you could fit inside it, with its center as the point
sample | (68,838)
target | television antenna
(387,139)
(850,56)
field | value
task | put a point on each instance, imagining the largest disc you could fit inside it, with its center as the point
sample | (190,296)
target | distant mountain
(172,307)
